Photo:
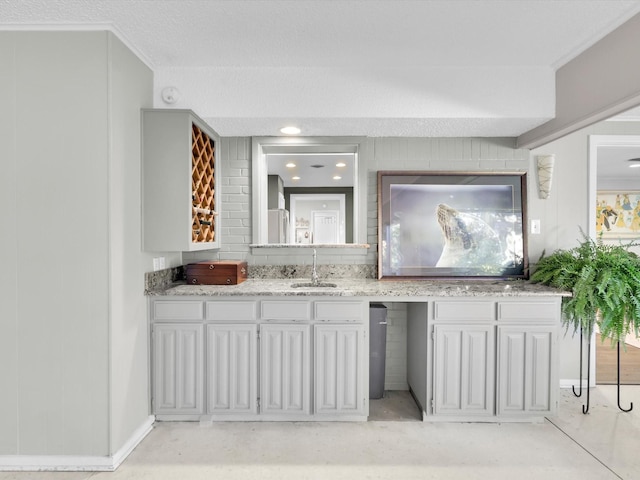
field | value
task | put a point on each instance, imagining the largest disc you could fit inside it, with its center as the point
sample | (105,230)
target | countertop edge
(363,288)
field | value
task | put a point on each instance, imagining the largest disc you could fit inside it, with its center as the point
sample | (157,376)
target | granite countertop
(352,287)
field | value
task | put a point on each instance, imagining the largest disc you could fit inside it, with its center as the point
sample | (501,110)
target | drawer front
(177,310)
(218,279)
(468,311)
(529,311)
(285,310)
(338,311)
(229,311)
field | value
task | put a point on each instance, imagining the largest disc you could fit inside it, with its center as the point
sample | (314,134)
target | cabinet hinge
(258,403)
(433,336)
(433,404)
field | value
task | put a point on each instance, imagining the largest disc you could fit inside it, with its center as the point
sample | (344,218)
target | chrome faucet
(314,271)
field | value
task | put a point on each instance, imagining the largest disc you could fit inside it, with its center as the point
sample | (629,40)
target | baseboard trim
(141,432)
(76,463)
(396,386)
(574,382)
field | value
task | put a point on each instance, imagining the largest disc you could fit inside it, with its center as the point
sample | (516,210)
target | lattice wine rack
(203,186)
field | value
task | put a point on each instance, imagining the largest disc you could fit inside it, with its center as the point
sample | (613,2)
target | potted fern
(605,285)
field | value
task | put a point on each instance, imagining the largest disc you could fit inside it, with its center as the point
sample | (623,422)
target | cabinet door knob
(194,281)
(228,281)
(211,267)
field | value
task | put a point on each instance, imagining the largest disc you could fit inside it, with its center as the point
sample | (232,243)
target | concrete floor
(601,445)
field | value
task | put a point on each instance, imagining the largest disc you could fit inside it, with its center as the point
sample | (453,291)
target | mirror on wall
(306,191)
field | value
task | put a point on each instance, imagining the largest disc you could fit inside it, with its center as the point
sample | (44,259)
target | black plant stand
(573,387)
(631,403)
(585,408)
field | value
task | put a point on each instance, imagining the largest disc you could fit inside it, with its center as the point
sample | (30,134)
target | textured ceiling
(348,67)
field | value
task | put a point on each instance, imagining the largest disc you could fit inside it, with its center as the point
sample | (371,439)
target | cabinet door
(340,369)
(232,369)
(525,359)
(463,365)
(285,381)
(177,369)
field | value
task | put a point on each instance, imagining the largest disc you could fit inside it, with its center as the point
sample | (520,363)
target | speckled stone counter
(350,287)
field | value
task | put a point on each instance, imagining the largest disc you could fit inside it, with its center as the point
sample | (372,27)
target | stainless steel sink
(314,285)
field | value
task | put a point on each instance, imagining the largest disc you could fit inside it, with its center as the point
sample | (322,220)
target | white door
(285,369)
(325,226)
(340,369)
(463,369)
(177,369)
(232,369)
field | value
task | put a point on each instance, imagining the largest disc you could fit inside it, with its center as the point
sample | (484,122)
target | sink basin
(314,285)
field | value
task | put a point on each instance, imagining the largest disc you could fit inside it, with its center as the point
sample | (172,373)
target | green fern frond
(604,280)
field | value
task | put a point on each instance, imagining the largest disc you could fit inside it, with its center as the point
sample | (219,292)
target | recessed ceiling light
(341,164)
(295,178)
(290,130)
(337,177)
(634,165)
(290,165)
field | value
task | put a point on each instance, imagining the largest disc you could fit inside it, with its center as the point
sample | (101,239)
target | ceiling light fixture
(291,130)
(341,164)
(337,177)
(295,178)
(290,165)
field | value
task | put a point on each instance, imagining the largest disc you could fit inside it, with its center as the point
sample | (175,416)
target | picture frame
(452,225)
(618,214)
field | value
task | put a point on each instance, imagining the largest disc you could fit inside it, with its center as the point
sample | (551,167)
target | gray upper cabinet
(180,172)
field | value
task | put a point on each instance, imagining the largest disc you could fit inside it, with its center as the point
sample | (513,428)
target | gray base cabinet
(526,356)
(177,381)
(493,358)
(259,359)
(338,369)
(285,383)
(286,358)
(232,369)
(463,368)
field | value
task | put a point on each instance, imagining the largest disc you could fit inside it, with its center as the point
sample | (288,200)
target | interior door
(325,226)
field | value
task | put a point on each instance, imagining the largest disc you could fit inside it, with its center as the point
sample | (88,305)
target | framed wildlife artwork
(452,225)
(618,214)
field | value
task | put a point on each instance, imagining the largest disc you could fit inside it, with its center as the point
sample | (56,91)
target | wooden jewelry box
(220,272)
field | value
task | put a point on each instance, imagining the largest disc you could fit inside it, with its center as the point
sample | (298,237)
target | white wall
(55,316)
(131,89)
(565,212)
(73,338)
